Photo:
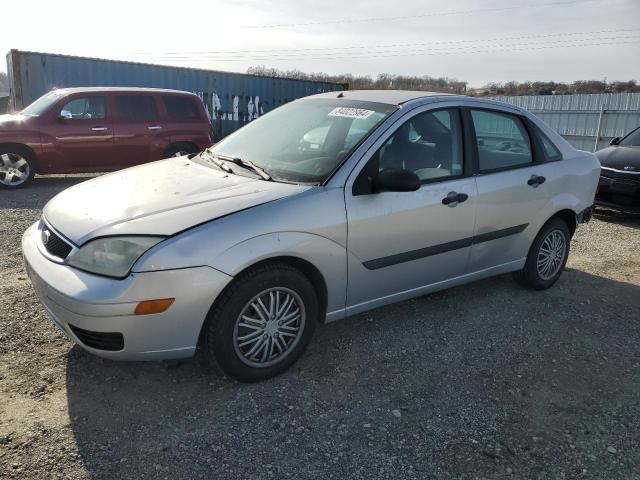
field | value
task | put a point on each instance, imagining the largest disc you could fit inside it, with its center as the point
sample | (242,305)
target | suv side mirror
(396,180)
(615,141)
(66,115)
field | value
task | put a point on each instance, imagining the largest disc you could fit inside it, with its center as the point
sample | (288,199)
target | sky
(476,41)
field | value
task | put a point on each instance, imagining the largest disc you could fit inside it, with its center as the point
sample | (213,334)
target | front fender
(329,257)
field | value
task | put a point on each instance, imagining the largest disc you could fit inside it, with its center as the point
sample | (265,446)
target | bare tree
(555,88)
(450,85)
(383,81)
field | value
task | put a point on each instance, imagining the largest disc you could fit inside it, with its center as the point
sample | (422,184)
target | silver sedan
(323,208)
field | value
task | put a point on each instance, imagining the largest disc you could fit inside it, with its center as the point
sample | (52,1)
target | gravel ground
(482,381)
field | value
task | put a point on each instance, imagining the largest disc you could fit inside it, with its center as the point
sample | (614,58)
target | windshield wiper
(214,159)
(248,164)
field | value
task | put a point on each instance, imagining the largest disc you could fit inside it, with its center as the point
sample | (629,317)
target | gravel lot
(482,381)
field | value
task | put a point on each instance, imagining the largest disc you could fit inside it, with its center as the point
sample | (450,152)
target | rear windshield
(306,140)
(42,104)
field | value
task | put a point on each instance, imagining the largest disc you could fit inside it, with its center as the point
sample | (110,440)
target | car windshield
(42,104)
(304,141)
(632,139)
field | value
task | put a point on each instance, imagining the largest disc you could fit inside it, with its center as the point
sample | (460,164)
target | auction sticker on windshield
(350,112)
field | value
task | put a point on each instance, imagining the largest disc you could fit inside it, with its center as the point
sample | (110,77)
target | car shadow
(40,190)
(613,216)
(409,383)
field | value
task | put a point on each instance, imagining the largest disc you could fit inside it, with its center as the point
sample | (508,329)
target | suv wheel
(16,168)
(261,323)
(547,256)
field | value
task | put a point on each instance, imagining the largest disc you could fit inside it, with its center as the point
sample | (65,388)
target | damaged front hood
(159,198)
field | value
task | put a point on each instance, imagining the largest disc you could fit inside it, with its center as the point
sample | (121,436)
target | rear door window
(181,108)
(502,140)
(136,107)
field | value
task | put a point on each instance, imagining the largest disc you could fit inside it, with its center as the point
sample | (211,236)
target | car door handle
(99,129)
(154,127)
(454,198)
(536,180)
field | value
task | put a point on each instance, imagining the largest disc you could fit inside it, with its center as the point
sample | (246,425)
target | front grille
(111,341)
(54,244)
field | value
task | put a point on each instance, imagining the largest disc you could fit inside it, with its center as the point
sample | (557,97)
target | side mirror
(615,141)
(396,180)
(66,115)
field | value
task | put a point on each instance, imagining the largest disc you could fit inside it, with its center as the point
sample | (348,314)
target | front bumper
(79,302)
(621,192)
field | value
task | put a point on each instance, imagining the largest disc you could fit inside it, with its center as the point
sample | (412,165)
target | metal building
(587,121)
(231,99)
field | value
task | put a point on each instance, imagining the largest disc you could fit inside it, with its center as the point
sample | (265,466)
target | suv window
(86,108)
(136,107)
(430,144)
(502,140)
(181,108)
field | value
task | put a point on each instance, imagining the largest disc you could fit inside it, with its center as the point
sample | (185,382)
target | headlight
(112,256)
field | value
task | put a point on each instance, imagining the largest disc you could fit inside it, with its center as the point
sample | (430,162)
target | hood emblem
(46,234)
(629,168)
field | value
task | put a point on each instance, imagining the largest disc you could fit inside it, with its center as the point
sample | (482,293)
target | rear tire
(261,323)
(547,257)
(17,168)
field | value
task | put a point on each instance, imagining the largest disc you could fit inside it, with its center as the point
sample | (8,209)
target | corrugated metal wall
(575,117)
(232,99)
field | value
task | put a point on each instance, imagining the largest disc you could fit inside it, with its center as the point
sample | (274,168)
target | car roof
(392,97)
(123,90)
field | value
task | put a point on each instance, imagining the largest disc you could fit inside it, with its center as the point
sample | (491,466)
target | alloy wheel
(551,254)
(14,169)
(269,327)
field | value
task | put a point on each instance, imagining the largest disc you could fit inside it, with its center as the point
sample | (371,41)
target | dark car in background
(77,130)
(619,186)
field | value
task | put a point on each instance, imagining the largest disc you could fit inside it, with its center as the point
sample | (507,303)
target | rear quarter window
(181,108)
(551,152)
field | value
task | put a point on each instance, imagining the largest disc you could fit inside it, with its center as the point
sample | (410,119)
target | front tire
(17,168)
(547,257)
(261,323)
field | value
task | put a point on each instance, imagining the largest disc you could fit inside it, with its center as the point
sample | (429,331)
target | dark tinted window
(181,108)
(136,107)
(86,108)
(502,140)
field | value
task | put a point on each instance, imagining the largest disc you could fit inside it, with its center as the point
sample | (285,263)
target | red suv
(74,130)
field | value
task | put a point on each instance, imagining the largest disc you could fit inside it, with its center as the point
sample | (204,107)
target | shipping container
(231,99)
